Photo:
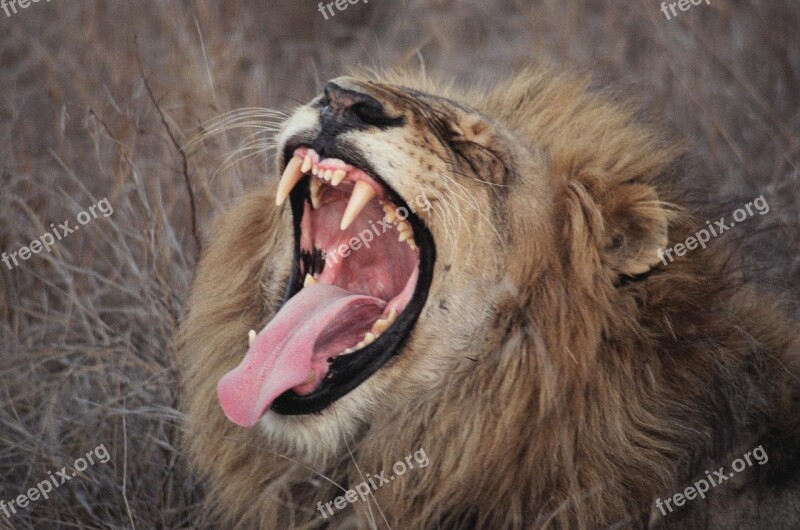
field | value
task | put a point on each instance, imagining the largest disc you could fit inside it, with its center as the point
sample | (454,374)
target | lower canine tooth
(404,236)
(310,378)
(380,326)
(307,163)
(314,190)
(251,336)
(362,194)
(310,280)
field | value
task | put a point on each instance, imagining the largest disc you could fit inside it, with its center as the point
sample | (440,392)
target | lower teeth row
(378,327)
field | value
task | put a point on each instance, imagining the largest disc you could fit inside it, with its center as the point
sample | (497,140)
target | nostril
(351,108)
(371,113)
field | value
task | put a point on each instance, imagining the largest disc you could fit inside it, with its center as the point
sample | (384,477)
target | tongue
(292,346)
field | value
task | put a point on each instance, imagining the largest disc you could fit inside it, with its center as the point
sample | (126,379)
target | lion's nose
(351,108)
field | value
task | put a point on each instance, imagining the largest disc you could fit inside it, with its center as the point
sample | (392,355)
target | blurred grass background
(90,92)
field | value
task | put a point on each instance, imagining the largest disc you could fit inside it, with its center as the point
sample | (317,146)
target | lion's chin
(318,439)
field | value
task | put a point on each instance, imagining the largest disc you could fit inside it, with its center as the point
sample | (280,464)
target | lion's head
(408,211)
(467,272)
(398,202)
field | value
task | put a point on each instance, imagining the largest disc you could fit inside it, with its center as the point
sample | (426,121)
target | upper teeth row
(406,234)
(297,167)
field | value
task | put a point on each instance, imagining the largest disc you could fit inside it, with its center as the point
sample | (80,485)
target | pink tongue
(281,355)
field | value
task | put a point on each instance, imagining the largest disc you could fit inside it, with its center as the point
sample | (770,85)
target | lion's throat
(292,351)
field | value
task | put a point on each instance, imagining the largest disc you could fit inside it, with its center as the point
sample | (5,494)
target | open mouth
(362,268)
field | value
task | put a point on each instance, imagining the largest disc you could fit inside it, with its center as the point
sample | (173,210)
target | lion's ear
(636,225)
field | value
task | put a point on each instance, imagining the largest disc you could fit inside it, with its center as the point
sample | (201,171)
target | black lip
(347,372)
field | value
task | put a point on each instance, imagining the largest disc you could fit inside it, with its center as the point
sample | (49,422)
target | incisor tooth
(310,280)
(392,316)
(404,227)
(315,170)
(290,177)
(362,194)
(251,336)
(307,163)
(328,174)
(404,236)
(338,177)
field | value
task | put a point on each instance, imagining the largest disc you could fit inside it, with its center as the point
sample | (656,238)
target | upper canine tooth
(251,336)
(338,177)
(307,163)
(291,175)
(362,194)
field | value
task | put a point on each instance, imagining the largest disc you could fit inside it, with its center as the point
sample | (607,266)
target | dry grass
(85,332)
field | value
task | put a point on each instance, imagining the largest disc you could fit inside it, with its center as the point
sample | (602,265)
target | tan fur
(546,391)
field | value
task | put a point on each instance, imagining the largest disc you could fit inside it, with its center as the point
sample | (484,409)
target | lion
(478,276)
